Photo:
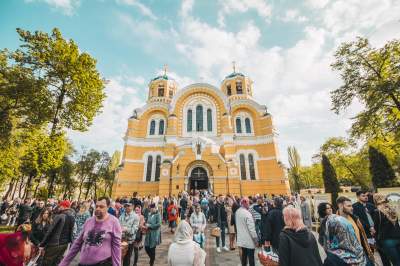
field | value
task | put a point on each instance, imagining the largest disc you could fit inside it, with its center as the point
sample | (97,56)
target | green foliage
(294,170)
(381,171)
(372,76)
(74,85)
(330,180)
(350,163)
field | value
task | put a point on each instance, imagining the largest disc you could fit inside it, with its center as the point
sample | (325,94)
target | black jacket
(24,213)
(298,248)
(183,203)
(61,230)
(38,232)
(385,229)
(359,211)
(220,213)
(272,227)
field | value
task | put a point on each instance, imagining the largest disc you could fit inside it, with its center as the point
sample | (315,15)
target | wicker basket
(267,260)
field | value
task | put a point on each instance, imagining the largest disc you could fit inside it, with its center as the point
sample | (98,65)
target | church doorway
(198,179)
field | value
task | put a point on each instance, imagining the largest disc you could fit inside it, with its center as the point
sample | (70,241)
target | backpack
(173,211)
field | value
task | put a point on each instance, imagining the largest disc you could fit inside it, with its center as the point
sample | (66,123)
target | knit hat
(153,205)
(65,204)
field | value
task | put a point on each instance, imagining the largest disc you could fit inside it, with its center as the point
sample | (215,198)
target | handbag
(139,236)
(216,232)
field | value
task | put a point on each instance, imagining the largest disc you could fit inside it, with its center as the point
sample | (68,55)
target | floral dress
(80,220)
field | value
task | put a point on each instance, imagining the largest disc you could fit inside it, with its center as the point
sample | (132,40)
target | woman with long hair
(387,229)
(40,226)
(297,245)
(324,210)
(230,222)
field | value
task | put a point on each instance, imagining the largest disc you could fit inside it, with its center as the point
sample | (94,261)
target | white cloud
(142,8)
(141,28)
(317,4)
(346,16)
(67,7)
(293,15)
(109,127)
(263,9)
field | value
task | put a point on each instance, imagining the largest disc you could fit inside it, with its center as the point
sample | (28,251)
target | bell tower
(237,84)
(162,88)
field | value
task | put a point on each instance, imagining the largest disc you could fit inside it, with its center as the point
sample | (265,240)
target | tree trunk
(15,188)
(20,187)
(395,100)
(10,188)
(28,185)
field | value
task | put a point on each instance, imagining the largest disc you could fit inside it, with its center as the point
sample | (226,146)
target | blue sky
(285,46)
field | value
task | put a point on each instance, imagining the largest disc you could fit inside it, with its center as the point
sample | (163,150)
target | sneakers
(218,249)
(225,248)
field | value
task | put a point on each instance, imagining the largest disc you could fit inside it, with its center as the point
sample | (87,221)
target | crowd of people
(113,232)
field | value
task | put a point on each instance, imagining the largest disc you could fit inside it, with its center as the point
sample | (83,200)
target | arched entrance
(198,179)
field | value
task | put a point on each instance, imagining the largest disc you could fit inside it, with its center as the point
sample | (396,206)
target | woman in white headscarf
(184,251)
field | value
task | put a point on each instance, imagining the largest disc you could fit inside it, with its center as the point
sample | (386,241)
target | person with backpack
(172,215)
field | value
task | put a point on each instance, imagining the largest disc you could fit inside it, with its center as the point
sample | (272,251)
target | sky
(285,46)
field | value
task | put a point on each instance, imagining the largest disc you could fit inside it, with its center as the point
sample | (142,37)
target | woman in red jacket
(172,215)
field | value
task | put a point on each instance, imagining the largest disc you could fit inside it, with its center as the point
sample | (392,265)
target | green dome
(165,77)
(234,74)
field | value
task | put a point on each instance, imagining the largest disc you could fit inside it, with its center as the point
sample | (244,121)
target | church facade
(201,137)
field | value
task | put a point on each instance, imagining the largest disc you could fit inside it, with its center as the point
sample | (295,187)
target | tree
(351,165)
(74,85)
(24,102)
(381,171)
(372,76)
(330,180)
(294,170)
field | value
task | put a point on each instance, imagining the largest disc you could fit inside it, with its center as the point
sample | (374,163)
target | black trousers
(136,256)
(248,255)
(151,252)
(127,258)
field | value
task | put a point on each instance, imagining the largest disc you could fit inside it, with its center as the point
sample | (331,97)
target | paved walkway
(226,258)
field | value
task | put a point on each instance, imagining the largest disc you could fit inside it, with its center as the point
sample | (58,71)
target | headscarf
(383,206)
(183,235)
(341,240)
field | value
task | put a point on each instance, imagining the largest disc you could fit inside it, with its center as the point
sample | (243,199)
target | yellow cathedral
(201,137)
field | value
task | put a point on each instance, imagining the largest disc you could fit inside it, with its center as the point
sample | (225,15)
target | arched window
(152,127)
(149,168)
(158,164)
(228,90)
(251,167)
(239,89)
(199,118)
(209,120)
(248,125)
(161,128)
(238,125)
(189,120)
(242,167)
(160,91)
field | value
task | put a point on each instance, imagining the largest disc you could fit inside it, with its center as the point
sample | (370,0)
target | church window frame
(161,127)
(239,87)
(199,118)
(158,168)
(209,120)
(245,127)
(242,163)
(250,158)
(149,168)
(152,130)
(228,90)
(189,120)
(207,102)
(238,122)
